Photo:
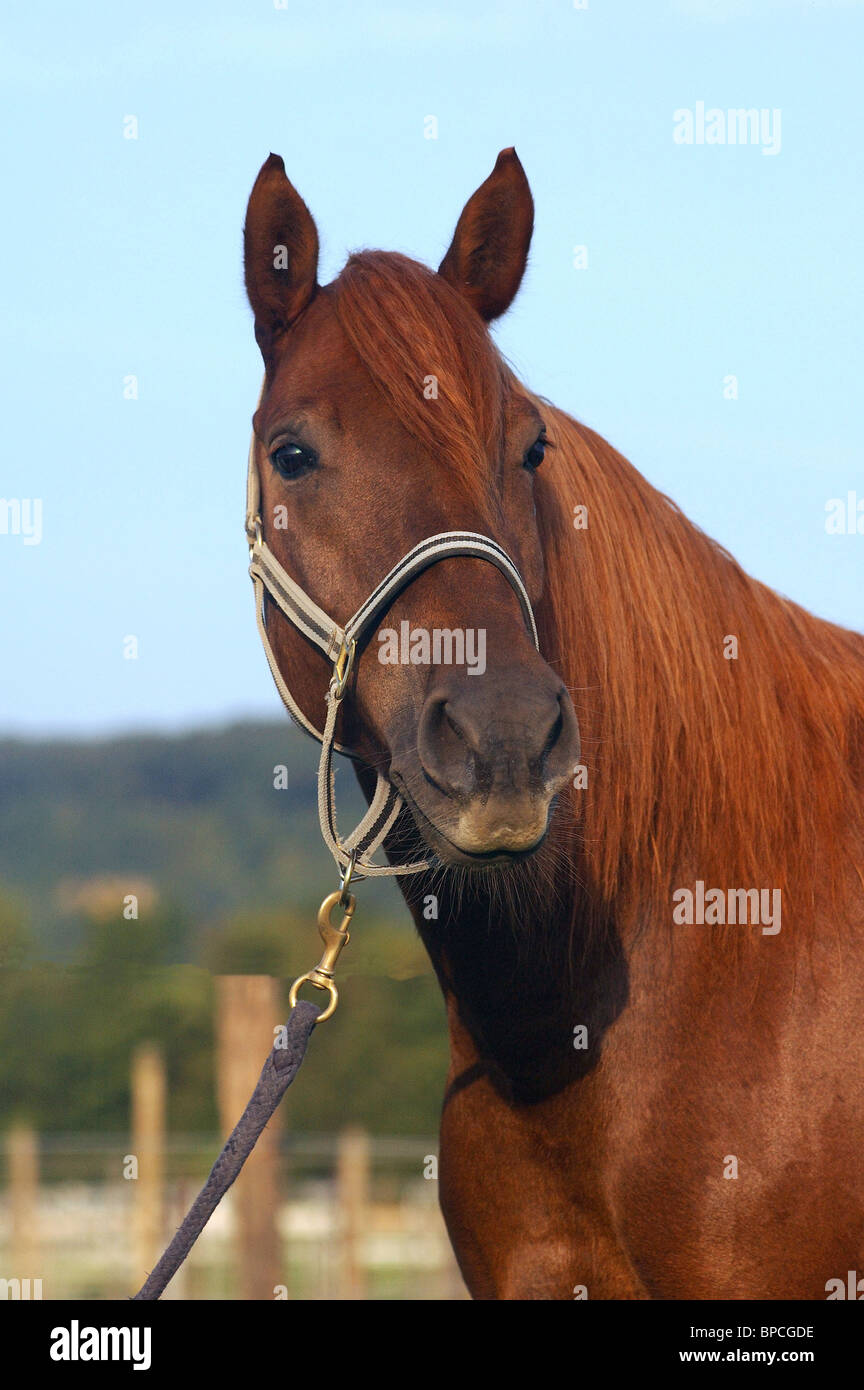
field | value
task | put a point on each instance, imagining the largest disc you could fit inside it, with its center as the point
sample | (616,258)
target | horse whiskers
(513,893)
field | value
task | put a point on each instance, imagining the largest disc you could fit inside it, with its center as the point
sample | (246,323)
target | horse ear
(486,259)
(280,243)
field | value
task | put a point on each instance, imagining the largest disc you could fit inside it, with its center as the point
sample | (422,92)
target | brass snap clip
(335,939)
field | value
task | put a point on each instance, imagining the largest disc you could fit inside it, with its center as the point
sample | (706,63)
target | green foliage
(235,870)
(196,815)
(381,1061)
(16,944)
(67,1038)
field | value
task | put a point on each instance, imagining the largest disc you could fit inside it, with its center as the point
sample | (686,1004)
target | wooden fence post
(23,1151)
(148,1148)
(353,1189)
(248,1012)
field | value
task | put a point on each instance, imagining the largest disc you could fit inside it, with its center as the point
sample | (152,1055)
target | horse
(643,897)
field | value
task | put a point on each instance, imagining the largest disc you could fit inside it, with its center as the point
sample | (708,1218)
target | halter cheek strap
(353,853)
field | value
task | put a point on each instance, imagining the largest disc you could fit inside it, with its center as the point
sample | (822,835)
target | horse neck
(526,958)
(722,725)
(728,768)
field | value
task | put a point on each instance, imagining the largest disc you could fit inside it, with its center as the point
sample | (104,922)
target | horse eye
(535,454)
(292,459)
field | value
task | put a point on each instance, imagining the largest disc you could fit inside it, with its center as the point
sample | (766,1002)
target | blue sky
(123,257)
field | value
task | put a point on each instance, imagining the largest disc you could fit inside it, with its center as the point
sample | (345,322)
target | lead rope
(289,1049)
(353,855)
(279,1071)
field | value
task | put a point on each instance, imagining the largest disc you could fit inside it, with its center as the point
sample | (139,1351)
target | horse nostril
(457,728)
(444,748)
(563,745)
(553,735)
(520,737)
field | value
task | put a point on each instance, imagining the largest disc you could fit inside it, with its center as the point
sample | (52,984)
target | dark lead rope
(278,1072)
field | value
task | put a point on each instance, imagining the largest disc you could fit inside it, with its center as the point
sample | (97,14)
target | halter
(339,645)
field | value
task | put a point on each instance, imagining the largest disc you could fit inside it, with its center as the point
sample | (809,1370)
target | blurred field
(79,1240)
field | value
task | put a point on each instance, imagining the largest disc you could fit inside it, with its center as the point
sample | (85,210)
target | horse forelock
(431,357)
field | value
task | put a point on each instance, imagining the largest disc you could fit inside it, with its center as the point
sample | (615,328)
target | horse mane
(731,771)
(741,772)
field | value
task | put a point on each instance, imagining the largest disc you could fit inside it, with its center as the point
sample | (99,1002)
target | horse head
(387,415)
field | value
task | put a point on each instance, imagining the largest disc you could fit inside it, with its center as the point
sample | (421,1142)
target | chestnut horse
(652,1095)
